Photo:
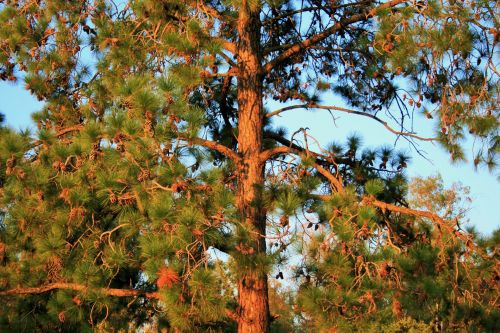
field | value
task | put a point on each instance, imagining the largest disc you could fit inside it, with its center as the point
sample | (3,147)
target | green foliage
(416,277)
(132,182)
(374,187)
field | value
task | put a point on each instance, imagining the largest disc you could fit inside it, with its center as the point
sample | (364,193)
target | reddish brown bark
(252,287)
(79,287)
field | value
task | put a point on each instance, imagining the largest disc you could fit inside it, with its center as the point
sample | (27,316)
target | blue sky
(17,105)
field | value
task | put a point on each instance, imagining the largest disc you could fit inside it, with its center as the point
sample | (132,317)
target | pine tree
(156,187)
(421,278)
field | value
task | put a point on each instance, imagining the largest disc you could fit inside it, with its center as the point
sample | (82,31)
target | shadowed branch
(304,45)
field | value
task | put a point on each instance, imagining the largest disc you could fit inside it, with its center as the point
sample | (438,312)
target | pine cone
(144,175)
(96,151)
(284,219)
(112,197)
(11,162)
(120,146)
(64,195)
(79,162)
(148,127)
(92,156)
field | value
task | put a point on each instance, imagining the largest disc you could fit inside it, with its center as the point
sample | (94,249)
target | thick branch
(79,287)
(228,152)
(304,45)
(269,153)
(62,132)
(328,175)
(231,47)
(360,113)
(293,149)
(199,141)
(448,225)
(439,221)
(69,129)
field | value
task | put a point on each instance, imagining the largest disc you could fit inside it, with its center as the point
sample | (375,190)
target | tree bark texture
(252,287)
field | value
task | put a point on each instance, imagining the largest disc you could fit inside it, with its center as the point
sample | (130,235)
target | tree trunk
(252,288)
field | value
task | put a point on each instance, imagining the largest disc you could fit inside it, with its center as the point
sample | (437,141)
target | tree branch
(296,150)
(210,11)
(79,287)
(328,175)
(320,159)
(69,129)
(448,225)
(228,152)
(229,61)
(289,13)
(269,153)
(441,223)
(231,47)
(199,141)
(304,45)
(360,113)
(62,132)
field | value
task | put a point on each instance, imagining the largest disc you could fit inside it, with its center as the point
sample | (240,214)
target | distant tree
(157,188)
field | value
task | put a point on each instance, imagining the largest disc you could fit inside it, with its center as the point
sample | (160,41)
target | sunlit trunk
(252,288)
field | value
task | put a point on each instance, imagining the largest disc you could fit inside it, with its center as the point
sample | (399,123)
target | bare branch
(269,153)
(360,113)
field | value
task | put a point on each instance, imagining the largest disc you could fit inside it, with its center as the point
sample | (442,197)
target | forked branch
(267,154)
